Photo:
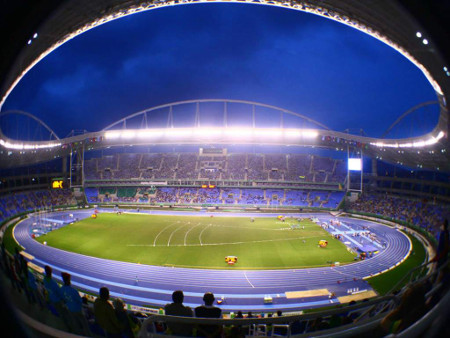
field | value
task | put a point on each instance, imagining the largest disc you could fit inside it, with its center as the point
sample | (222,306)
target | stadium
(272,211)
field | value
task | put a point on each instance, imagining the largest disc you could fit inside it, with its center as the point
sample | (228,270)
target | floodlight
(419,34)
(268,132)
(207,132)
(354,164)
(309,133)
(293,133)
(128,134)
(147,133)
(239,132)
(112,134)
(425,41)
(178,132)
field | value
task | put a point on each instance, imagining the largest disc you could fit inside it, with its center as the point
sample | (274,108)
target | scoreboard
(59,183)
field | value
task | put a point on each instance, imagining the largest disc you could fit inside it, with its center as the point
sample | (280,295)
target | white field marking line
(240,227)
(200,236)
(185,236)
(231,243)
(154,242)
(245,274)
(170,238)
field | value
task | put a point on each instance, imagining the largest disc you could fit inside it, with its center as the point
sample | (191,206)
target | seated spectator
(33,289)
(178,309)
(411,308)
(87,310)
(129,323)
(72,300)
(208,311)
(105,315)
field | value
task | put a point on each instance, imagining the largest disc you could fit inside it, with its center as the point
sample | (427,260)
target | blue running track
(242,289)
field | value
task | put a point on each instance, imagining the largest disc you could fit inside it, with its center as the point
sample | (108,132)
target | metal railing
(293,325)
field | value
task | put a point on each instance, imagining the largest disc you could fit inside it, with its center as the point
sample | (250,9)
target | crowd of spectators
(260,196)
(422,213)
(262,167)
(235,169)
(17,203)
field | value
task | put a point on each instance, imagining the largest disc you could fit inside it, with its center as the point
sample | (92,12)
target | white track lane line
(245,274)
(185,236)
(170,238)
(200,236)
(154,242)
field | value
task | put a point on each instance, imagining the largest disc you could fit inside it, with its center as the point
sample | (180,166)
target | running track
(241,289)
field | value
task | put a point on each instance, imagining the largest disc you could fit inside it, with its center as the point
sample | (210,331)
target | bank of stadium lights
(27,146)
(35,35)
(211,132)
(416,144)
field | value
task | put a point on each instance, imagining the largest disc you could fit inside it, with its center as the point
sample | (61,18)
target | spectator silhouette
(178,309)
(443,245)
(127,320)
(33,289)
(208,311)
(54,296)
(411,308)
(72,300)
(105,315)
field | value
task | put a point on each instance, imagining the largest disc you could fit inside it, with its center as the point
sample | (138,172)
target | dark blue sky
(297,61)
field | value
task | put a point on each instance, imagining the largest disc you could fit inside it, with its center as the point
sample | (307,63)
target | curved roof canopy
(384,20)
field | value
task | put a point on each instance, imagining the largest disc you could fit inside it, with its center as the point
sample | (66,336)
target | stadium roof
(389,21)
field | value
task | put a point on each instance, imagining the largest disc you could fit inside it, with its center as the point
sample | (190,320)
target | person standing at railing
(443,245)
(208,311)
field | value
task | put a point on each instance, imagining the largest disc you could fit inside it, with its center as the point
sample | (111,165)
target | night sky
(297,61)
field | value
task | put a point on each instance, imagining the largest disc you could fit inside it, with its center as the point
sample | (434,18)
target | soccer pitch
(200,242)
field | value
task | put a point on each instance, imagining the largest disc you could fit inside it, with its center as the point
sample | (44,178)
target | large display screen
(354,164)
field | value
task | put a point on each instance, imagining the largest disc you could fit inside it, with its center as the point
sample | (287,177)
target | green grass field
(384,282)
(201,242)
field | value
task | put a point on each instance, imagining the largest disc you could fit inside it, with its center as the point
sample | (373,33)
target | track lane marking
(170,238)
(154,242)
(201,233)
(185,236)
(248,280)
